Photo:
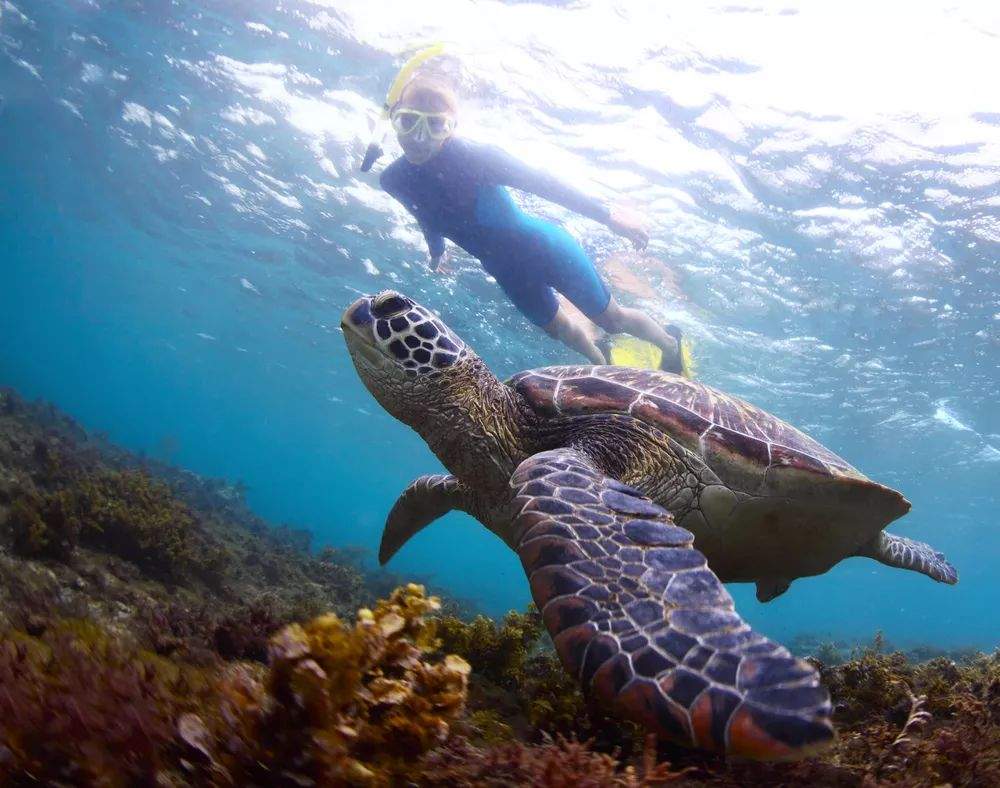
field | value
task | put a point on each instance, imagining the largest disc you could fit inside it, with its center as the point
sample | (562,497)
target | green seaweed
(497,651)
(127,513)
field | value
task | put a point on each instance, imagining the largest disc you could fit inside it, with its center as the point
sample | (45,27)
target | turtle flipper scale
(903,553)
(647,628)
(425,500)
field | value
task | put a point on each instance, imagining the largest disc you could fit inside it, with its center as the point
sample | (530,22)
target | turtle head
(428,378)
(401,351)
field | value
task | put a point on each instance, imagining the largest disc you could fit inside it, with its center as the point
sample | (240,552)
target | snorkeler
(455,190)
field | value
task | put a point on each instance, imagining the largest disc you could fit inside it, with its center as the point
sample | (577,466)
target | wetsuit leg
(526,290)
(569,269)
(537,301)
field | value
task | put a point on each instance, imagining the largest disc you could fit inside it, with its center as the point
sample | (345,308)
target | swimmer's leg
(537,302)
(618,319)
(571,271)
(572,331)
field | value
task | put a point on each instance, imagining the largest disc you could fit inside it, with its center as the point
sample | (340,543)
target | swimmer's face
(423,121)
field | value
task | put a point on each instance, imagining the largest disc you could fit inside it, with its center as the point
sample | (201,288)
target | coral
(371,704)
(337,704)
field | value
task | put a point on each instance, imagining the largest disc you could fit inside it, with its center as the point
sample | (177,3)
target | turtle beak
(357,324)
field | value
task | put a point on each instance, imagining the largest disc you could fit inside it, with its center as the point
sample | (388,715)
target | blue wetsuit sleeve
(435,242)
(501,167)
(392,182)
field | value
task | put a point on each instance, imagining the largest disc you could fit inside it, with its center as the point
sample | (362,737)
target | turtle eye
(389,304)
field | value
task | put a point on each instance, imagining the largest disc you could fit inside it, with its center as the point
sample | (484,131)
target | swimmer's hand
(628,224)
(439,264)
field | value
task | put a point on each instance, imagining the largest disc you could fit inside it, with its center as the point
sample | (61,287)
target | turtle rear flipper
(425,500)
(903,553)
(646,627)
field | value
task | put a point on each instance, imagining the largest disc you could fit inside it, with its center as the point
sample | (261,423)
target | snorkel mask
(436,125)
(383,127)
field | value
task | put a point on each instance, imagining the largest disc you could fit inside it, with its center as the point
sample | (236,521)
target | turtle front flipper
(425,500)
(647,628)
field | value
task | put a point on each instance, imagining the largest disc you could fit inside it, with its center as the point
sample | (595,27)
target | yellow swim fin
(628,351)
(687,359)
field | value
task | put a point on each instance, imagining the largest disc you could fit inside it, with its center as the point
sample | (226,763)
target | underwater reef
(154,631)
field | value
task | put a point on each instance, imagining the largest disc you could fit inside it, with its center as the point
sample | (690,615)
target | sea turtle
(629,495)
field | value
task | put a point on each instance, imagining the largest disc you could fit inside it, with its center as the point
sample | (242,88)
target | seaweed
(201,633)
(177,560)
(498,652)
(126,659)
(519,685)
(126,513)
(342,704)
(82,707)
(40,527)
(336,704)
(562,763)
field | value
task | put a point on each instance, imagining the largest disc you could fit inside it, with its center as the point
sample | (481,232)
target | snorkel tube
(374,150)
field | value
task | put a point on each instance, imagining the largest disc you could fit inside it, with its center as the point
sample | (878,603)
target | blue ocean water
(182,222)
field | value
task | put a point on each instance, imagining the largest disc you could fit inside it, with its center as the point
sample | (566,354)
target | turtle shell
(778,474)
(723,429)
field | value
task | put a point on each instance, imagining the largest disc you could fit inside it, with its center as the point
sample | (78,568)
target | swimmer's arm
(435,248)
(391,183)
(508,171)
(505,169)
(435,242)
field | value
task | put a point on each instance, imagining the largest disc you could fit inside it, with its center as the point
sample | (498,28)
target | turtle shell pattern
(724,430)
